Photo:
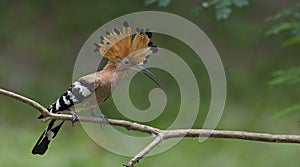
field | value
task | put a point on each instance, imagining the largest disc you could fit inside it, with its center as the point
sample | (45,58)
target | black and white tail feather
(42,144)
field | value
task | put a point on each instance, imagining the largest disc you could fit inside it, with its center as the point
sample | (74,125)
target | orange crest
(117,45)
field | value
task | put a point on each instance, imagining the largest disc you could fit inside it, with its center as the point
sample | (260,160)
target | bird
(126,52)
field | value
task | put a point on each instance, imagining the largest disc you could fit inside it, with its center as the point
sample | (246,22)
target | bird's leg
(104,120)
(102,116)
(92,112)
(75,116)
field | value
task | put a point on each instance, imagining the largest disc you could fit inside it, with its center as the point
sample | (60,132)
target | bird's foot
(104,120)
(75,117)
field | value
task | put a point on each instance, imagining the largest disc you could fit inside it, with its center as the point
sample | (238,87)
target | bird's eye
(125,61)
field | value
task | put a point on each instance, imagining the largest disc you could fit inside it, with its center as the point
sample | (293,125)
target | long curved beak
(148,73)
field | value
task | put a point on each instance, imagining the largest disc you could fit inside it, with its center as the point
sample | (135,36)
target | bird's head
(128,64)
(128,51)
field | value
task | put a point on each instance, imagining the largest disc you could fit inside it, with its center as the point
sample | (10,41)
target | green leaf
(287,20)
(205,4)
(287,111)
(209,3)
(290,12)
(289,76)
(240,3)
(163,3)
(223,7)
(278,28)
(223,13)
(285,13)
(197,10)
(291,41)
(296,15)
(296,30)
(149,2)
(223,4)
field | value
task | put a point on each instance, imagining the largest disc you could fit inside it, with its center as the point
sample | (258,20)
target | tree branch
(167,134)
(160,134)
(145,151)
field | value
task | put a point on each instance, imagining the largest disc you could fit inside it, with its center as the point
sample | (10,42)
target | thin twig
(145,151)
(26,100)
(161,134)
(243,135)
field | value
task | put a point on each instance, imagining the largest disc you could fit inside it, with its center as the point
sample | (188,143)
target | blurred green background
(39,42)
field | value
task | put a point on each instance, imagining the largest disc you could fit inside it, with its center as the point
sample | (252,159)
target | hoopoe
(125,52)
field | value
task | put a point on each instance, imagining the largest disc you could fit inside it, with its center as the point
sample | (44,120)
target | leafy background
(259,45)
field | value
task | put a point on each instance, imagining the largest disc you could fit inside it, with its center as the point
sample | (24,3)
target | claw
(75,117)
(104,120)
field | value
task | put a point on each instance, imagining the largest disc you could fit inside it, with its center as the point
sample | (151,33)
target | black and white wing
(79,91)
